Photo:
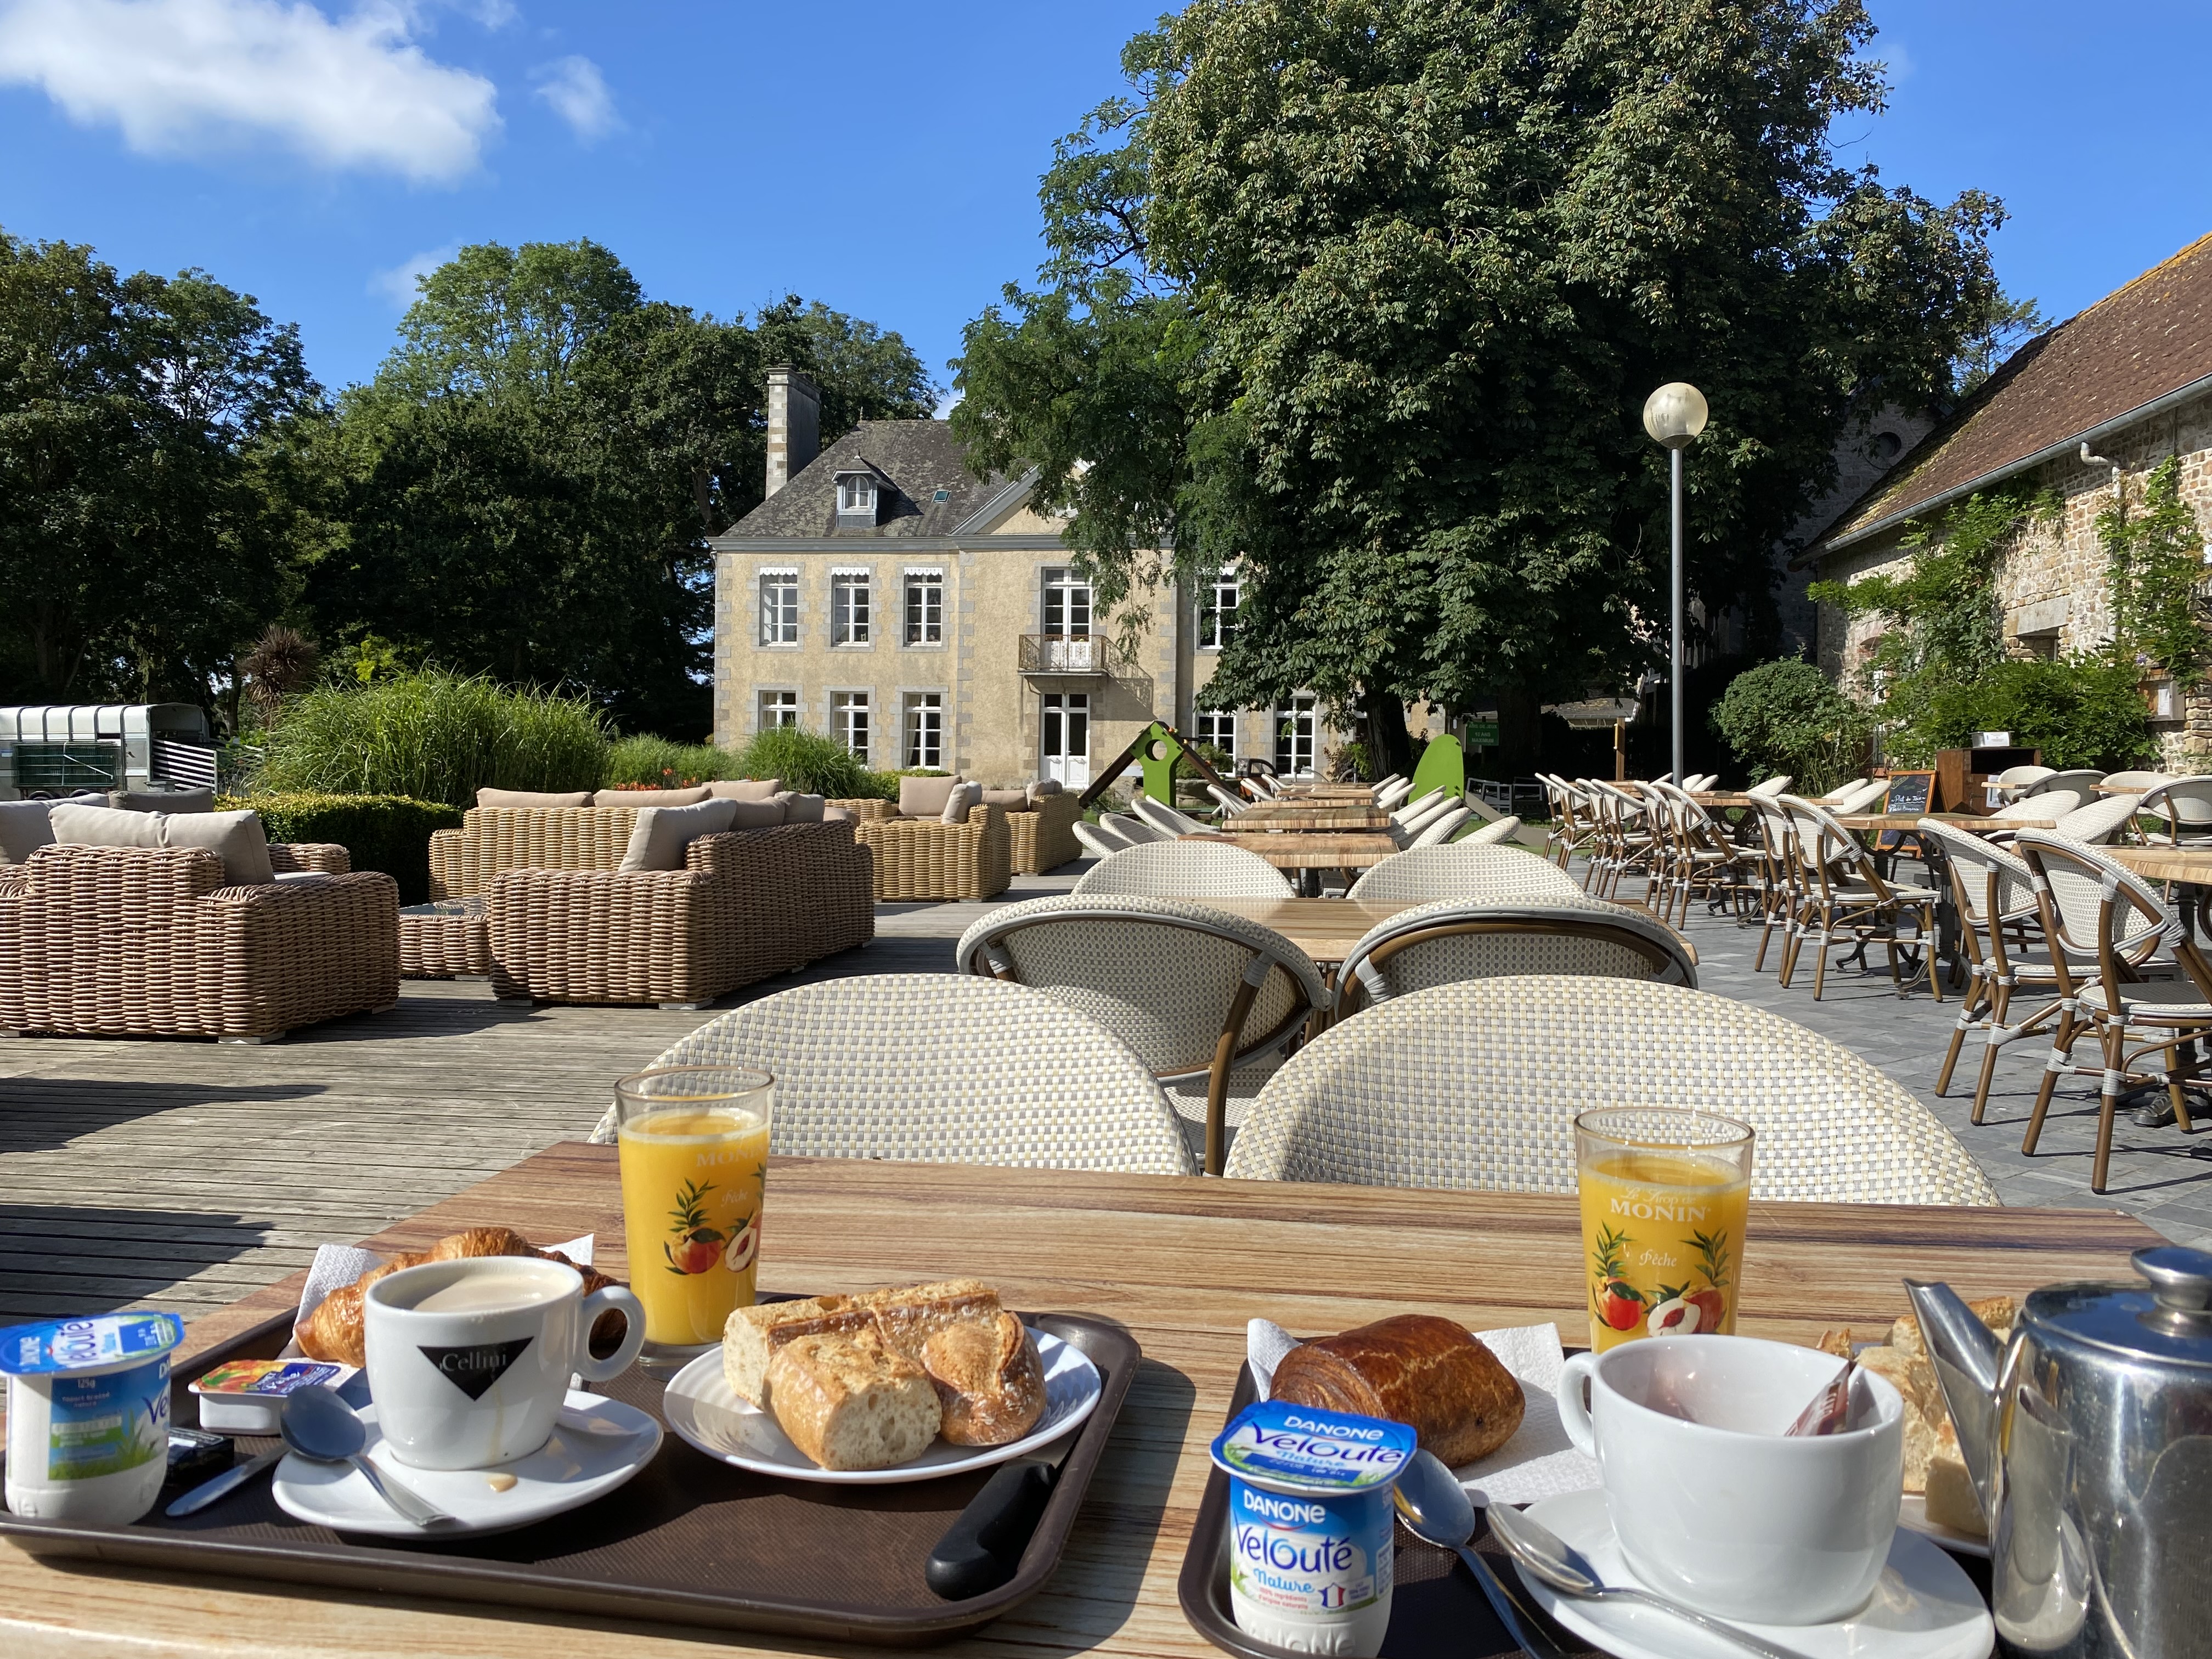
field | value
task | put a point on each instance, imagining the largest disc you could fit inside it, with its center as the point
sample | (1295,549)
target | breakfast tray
(691,1540)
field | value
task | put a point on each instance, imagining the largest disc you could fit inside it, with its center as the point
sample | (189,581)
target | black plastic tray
(691,1540)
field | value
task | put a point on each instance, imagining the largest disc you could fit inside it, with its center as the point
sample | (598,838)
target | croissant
(335,1333)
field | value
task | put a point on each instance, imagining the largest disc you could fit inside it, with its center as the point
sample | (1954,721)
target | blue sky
(880,157)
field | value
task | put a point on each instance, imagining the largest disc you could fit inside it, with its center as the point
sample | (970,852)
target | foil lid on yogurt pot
(78,1344)
(1306,1448)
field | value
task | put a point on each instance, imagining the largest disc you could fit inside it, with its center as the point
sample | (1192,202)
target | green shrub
(657,763)
(435,737)
(876,786)
(390,833)
(2079,711)
(805,761)
(1785,716)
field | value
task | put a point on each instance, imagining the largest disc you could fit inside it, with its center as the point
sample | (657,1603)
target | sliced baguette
(989,1380)
(848,1402)
(906,1316)
(751,1336)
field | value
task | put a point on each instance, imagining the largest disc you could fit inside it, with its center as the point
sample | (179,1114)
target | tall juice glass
(694,1146)
(1665,1195)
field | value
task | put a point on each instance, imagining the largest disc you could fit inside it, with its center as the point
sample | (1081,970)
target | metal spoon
(1435,1507)
(323,1429)
(1550,1558)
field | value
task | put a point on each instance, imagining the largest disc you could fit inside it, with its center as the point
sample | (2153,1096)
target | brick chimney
(794,423)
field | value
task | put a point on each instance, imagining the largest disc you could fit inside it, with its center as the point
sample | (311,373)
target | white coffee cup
(469,1361)
(1714,1505)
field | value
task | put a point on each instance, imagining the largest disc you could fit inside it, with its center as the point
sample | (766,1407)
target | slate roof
(915,460)
(2138,345)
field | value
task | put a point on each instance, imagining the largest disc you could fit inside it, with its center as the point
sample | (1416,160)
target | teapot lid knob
(2181,1278)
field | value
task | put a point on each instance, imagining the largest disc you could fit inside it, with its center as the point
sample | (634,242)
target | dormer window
(856,497)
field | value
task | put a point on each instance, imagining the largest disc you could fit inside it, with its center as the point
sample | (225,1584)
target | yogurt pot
(1310,1525)
(88,1416)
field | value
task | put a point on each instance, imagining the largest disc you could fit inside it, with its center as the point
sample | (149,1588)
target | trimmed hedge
(390,833)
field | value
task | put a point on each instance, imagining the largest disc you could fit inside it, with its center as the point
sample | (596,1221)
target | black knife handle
(983,1547)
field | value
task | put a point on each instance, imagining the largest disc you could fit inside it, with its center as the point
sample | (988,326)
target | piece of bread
(335,1333)
(1915,1379)
(1997,1312)
(1836,1342)
(752,1335)
(1951,1500)
(850,1402)
(989,1379)
(908,1315)
(1413,1368)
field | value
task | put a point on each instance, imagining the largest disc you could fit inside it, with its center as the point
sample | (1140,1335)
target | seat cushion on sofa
(757,814)
(745,788)
(650,797)
(964,800)
(1014,800)
(76,825)
(162,800)
(25,827)
(801,809)
(924,797)
(533,798)
(236,838)
(1044,787)
(836,814)
(662,832)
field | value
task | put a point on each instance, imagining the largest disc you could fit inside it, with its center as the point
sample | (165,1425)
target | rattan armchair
(1195,867)
(1042,835)
(1841,899)
(1476,1085)
(115,941)
(1456,939)
(1465,872)
(928,858)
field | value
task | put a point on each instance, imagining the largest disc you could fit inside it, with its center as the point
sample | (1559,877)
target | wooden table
(1327,928)
(1302,816)
(1973,823)
(1181,1262)
(2189,863)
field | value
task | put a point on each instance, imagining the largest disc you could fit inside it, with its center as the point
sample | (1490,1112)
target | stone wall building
(2084,410)
(885,595)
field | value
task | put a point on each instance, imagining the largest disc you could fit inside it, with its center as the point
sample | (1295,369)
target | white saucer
(598,1444)
(1924,1606)
(1912,1511)
(704,1410)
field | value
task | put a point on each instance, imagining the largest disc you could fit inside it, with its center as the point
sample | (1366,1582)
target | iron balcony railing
(1083,655)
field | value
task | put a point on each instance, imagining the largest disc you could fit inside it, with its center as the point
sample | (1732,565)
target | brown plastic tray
(691,1540)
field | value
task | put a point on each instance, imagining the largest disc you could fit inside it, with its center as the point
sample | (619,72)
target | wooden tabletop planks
(1182,1263)
(1314,851)
(1291,818)
(2190,864)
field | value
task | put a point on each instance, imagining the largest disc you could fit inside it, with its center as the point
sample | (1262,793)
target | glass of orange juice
(694,1146)
(1665,1194)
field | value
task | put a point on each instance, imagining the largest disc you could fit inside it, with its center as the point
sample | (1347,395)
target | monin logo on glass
(473,1370)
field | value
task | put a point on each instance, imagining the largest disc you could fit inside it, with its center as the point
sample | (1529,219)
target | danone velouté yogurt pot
(1309,1517)
(89,1415)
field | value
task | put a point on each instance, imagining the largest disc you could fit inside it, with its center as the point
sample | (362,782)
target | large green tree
(1368,295)
(145,518)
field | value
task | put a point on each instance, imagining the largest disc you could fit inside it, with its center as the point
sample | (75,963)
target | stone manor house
(884,594)
(2086,409)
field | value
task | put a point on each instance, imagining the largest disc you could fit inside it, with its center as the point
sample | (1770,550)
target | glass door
(1294,736)
(1067,642)
(1067,738)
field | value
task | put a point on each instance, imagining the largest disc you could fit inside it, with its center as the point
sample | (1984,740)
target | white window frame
(1208,724)
(782,632)
(844,708)
(856,621)
(856,495)
(922,742)
(925,605)
(1213,633)
(1305,705)
(787,703)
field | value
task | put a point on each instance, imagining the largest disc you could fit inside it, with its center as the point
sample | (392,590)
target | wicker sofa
(1044,833)
(929,859)
(567,926)
(121,941)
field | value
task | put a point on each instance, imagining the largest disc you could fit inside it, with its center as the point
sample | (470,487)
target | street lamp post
(1673,415)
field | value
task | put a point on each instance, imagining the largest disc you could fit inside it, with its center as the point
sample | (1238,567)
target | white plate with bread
(903,1384)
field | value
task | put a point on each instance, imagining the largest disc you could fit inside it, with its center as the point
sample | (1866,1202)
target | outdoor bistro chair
(2043,805)
(1438,1088)
(1389,795)
(1101,839)
(1773,788)
(1196,867)
(1230,804)
(1499,874)
(1698,782)
(2098,822)
(934,1069)
(1440,829)
(1454,939)
(1697,856)
(2081,780)
(1132,828)
(2095,912)
(1775,877)
(1496,833)
(1198,993)
(1574,823)
(1627,837)
(1842,899)
(1867,798)
(2179,813)
(2137,781)
(1841,790)
(1165,819)
(1403,815)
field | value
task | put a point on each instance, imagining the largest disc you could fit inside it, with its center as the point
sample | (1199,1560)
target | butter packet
(244,1396)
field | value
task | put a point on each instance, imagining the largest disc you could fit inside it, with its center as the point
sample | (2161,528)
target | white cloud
(579,94)
(398,284)
(179,78)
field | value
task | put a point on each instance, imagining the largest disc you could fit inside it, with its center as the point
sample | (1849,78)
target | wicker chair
(1099,840)
(1499,874)
(1498,832)
(867,809)
(116,941)
(1476,1085)
(1132,829)
(568,926)
(1447,824)
(2182,810)
(936,1069)
(1773,788)
(2098,822)
(1455,940)
(1198,867)
(1198,993)
(926,858)
(1165,819)
(1842,900)
(1044,837)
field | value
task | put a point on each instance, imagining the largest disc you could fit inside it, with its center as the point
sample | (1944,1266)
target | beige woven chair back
(2184,806)
(2043,805)
(1981,869)
(2100,821)
(2137,781)
(1495,874)
(1772,787)
(2092,900)
(1476,1085)
(1198,867)
(1495,833)
(1445,942)
(1132,829)
(935,1068)
(2082,781)
(1094,839)
(1165,818)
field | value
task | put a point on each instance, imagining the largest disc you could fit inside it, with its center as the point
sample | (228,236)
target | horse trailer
(57,749)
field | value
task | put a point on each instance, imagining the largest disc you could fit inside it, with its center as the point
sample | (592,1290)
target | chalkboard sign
(1908,793)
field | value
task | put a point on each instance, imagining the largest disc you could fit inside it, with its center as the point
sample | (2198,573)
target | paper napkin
(1538,1461)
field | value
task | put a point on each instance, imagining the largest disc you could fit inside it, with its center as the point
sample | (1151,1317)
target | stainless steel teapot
(2089,1439)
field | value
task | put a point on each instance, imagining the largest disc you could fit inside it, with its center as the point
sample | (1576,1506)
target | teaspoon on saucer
(322,1428)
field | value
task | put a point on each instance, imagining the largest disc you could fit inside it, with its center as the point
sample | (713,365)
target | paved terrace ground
(183,1174)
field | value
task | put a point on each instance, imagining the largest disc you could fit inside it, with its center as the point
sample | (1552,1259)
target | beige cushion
(77,825)
(924,797)
(662,832)
(236,838)
(964,798)
(1044,787)
(533,797)
(801,809)
(744,788)
(836,815)
(1014,800)
(757,814)
(650,797)
(25,827)
(162,800)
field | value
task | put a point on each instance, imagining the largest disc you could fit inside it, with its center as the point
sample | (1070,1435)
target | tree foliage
(2155,575)
(1788,716)
(1368,295)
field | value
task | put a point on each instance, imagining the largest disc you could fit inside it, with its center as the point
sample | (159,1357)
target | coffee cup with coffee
(1713,1504)
(468,1361)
